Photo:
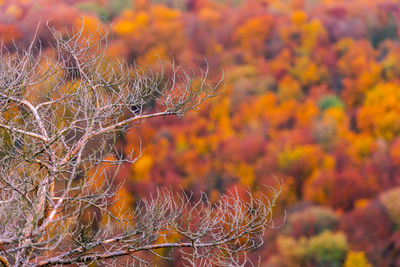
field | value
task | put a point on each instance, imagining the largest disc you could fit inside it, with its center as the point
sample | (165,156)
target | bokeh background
(311,95)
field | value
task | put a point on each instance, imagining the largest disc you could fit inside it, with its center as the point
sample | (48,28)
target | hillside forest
(310,95)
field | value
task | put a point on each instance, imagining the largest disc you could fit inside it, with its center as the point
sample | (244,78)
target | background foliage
(312,95)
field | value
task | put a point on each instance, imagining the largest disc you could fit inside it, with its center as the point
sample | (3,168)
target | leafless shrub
(59,115)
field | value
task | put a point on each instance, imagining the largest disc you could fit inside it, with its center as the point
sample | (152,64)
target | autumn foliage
(311,95)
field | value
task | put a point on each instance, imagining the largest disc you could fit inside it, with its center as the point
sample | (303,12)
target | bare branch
(59,118)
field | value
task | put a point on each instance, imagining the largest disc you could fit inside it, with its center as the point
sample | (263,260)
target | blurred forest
(311,95)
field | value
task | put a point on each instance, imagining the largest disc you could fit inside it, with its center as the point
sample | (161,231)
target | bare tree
(59,117)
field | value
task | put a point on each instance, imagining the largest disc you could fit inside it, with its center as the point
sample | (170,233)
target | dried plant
(59,117)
